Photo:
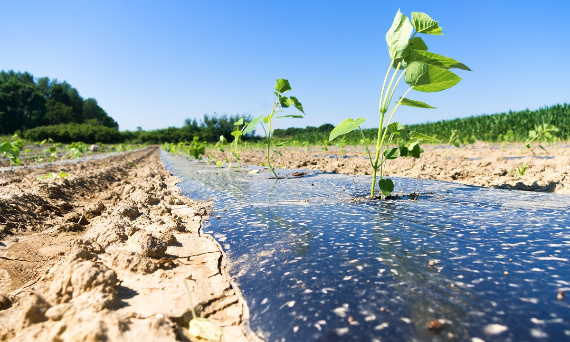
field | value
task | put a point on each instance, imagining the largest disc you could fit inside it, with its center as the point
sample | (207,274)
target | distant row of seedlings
(16,150)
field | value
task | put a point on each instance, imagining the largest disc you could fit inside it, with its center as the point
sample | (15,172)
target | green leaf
(386,186)
(404,151)
(280,143)
(297,104)
(414,103)
(423,23)
(206,329)
(428,78)
(398,36)
(250,126)
(296,116)
(268,118)
(392,153)
(284,101)
(236,133)
(239,123)
(282,85)
(418,44)
(421,136)
(435,60)
(345,127)
(415,152)
(395,127)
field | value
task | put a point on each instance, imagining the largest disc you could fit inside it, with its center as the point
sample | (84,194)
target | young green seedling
(202,327)
(281,102)
(540,132)
(11,149)
(423,71)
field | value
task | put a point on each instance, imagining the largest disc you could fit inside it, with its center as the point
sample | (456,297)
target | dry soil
(102,253)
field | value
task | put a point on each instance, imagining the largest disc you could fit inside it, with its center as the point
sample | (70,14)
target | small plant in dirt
(239,127)
(11,149)
(281,102)
(544,132)
(520,171)
(76,149)
(423,71)
(53,175)
(202,328)
(456,139)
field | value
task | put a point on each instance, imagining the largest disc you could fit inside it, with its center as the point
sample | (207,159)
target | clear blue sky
(154,63)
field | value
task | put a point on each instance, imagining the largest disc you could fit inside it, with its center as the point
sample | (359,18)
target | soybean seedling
(202,327)
(11,149)
(540,132)
(281,102)
(423,71)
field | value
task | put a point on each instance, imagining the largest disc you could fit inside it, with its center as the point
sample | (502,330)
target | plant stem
(378,148)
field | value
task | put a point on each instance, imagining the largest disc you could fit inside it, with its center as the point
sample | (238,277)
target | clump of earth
(102,254)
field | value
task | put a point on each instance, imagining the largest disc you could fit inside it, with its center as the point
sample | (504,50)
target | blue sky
(155,63)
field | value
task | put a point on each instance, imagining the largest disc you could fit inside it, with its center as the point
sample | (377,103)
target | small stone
(431,263)
(510,260)
(560,295)
(434,325)
(506,273)
(452,285)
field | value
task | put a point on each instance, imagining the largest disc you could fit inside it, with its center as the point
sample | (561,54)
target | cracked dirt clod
(148,245)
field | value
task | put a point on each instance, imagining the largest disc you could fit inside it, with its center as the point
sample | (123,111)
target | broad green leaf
(392,153)
(428,78)
(395,127)
(421,136)
(284,101)
(418,44)
(268,118)
(398,36)
(345,127)
(280,143)
(250,126)
(239,123)
(423,23)
(434,59)
(296,116)
(206,329)
(386,186)
(282,85)
(415,152)
(414,103)
(236,133)
(297,104)
(404,151)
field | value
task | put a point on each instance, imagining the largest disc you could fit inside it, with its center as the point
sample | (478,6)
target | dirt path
(482,164)
(102,253)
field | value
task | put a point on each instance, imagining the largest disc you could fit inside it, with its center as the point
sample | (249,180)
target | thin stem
(385,104)
(380,107)
(190,297)
(378,148)
(396,86)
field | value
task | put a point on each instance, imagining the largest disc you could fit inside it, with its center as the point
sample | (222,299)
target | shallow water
(313,266)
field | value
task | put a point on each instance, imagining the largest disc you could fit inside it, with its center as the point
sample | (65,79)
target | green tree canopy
(26,102)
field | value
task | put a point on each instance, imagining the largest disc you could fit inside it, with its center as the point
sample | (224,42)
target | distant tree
(58,113)
(27,103)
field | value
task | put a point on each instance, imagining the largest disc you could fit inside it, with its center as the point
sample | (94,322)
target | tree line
(27,102)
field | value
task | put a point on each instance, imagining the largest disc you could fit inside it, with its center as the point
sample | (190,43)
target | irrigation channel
(314,265)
